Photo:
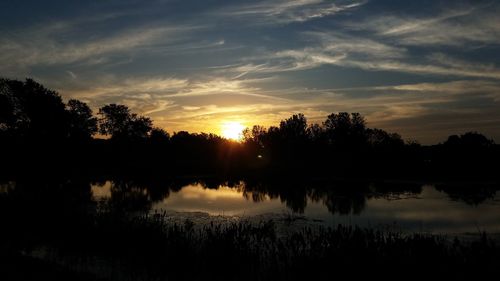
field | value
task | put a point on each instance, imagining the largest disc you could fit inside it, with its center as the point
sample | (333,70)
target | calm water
(422,208)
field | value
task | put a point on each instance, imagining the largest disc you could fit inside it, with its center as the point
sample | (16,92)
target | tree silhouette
(469,140)
(256,134)
(159,135)
(294,128)
(31,110)
(121,124)
(82,124)
(7,116)
(316,133)
(345,130)
(381,138)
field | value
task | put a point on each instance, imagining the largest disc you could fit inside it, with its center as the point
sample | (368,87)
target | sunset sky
(425,69)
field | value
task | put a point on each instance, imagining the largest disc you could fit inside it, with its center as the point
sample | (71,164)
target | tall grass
(147,247)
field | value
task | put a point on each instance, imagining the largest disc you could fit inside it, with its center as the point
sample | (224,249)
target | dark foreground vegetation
(40,133)
(109,245)
(143,249)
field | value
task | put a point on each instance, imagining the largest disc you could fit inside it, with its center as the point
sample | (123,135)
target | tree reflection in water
(135,195)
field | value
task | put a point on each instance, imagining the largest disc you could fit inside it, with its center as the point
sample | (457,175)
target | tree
(469,140)
(120,123)
(294,128)
(344,129)
(315,132)
(30,110)
(381,138)
(139,127)
(158,135)
(114,121)
(82,124)
(255,135)
(7,116)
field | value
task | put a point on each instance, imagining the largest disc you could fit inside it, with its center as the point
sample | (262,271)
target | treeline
(38,131)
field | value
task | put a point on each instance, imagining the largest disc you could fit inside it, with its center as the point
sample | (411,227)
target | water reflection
(436,208)
(221,201)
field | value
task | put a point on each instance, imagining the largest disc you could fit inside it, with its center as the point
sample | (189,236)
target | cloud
(425,69)
(453,87)
(387,47)
(288,11)
(49,45)
(153,96)
(360,45)
(453,27)
(71,74)
(190,108)
(329,48)
(109,87)
(219,86)
(288,60)
(366,54)
(308,58)
(148,106)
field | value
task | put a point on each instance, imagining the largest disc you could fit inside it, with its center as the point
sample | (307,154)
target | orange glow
(232,130)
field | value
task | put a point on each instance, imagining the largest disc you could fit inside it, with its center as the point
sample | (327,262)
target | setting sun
(232,130)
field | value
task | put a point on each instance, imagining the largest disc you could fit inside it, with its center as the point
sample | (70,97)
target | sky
(424,69)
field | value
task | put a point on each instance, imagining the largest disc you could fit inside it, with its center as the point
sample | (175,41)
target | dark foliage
(31,110)
(118,122)
(82,124)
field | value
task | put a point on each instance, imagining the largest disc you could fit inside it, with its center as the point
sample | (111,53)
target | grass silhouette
(147,247)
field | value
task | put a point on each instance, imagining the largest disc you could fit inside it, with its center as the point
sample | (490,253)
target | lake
(429,208)
(146,228)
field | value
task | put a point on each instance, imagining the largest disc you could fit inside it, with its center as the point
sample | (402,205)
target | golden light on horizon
(232,130)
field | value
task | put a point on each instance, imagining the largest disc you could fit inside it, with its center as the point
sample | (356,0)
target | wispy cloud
(217,86)
(329,48)
(425,69)
(386,49)
(367,54)
(287,11)
(71,74)
(288,60)
(472,88)
(338,42)
(49,47)
(155,95)
(112,87)
(452,27)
